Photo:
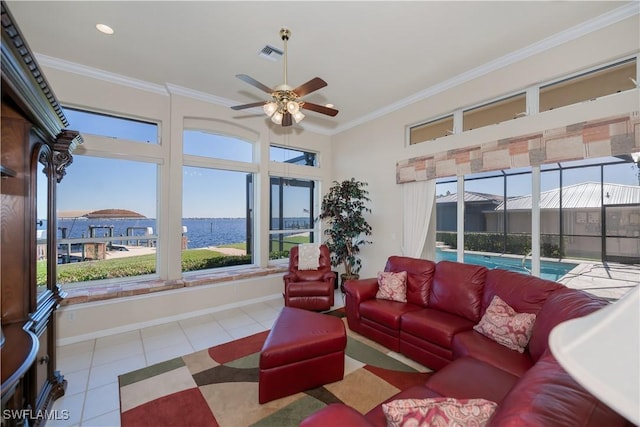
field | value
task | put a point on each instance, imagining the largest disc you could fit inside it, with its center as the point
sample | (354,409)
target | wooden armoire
(35,150)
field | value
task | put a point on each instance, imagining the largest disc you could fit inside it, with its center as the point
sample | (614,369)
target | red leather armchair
(309,289)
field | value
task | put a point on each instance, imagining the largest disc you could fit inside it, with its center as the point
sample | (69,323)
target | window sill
(94,293)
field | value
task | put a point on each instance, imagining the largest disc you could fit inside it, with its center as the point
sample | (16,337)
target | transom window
(495,112)
(208,144)
(594,84)
(292,156)
(112,126)
(431,130)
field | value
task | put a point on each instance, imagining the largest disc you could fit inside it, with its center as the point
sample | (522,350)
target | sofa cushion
(525,293)
(502,324)
(385,312)
(392,286)
(457,289)
(547,396)
(476,345)
(419,277)
(438,411)
(469,378)
(561,305)
(435,326)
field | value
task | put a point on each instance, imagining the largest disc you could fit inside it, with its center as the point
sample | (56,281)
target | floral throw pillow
(502,324)
(438,412)
(392,286)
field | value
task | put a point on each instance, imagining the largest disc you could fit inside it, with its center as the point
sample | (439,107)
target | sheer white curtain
(418,199)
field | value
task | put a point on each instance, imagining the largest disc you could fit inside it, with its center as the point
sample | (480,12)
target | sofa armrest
(290,277)
(357,291)
(336,414)
(329,276)
(361,290)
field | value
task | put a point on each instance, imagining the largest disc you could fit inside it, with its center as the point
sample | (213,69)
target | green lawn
(192,260)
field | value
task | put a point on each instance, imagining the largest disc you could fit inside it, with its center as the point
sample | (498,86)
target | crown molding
(580,30)
(195,94)
(83,70)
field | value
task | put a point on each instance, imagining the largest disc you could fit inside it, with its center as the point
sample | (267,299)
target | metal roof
(469,196)
(583,195)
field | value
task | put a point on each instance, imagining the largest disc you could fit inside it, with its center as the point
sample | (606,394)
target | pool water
(549,270)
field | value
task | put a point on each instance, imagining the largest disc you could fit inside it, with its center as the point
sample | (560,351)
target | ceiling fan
(285,103)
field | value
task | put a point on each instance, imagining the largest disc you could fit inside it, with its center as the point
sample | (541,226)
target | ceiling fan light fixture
(270,108)
(298,116)
(277,118)
(293,107)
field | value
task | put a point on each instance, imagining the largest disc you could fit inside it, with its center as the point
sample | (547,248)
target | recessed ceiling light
(104,29)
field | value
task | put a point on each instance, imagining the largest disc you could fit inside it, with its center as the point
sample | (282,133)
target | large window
(216,223)
(589,209)
(217,203)
(107,220)
(497,219)
(292,214)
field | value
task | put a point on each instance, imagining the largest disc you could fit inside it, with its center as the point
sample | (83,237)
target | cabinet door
(15,260)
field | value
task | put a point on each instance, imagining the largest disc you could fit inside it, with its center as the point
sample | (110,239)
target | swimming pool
(549,270)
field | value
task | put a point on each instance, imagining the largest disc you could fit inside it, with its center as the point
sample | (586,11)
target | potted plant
(343,207)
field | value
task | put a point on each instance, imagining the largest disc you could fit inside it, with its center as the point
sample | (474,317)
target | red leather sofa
(435,327)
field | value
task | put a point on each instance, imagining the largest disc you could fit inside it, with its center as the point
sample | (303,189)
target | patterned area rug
(219,386)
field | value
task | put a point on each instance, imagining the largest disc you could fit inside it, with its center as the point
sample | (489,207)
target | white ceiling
(375,56)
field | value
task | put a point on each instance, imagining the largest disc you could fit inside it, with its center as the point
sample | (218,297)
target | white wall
(370,151)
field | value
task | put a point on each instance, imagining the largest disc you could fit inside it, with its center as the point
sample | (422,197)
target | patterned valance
(610,136)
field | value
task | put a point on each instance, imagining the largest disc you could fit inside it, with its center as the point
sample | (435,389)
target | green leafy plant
(343,207)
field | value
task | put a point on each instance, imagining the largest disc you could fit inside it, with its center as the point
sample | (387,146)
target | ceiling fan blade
(310,86)
(286,119)
(319,108)
(255,83)
(245,106)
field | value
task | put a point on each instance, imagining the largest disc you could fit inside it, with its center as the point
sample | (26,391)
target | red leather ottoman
(304,350)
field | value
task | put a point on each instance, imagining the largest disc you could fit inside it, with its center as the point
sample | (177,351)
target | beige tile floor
(92,367)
